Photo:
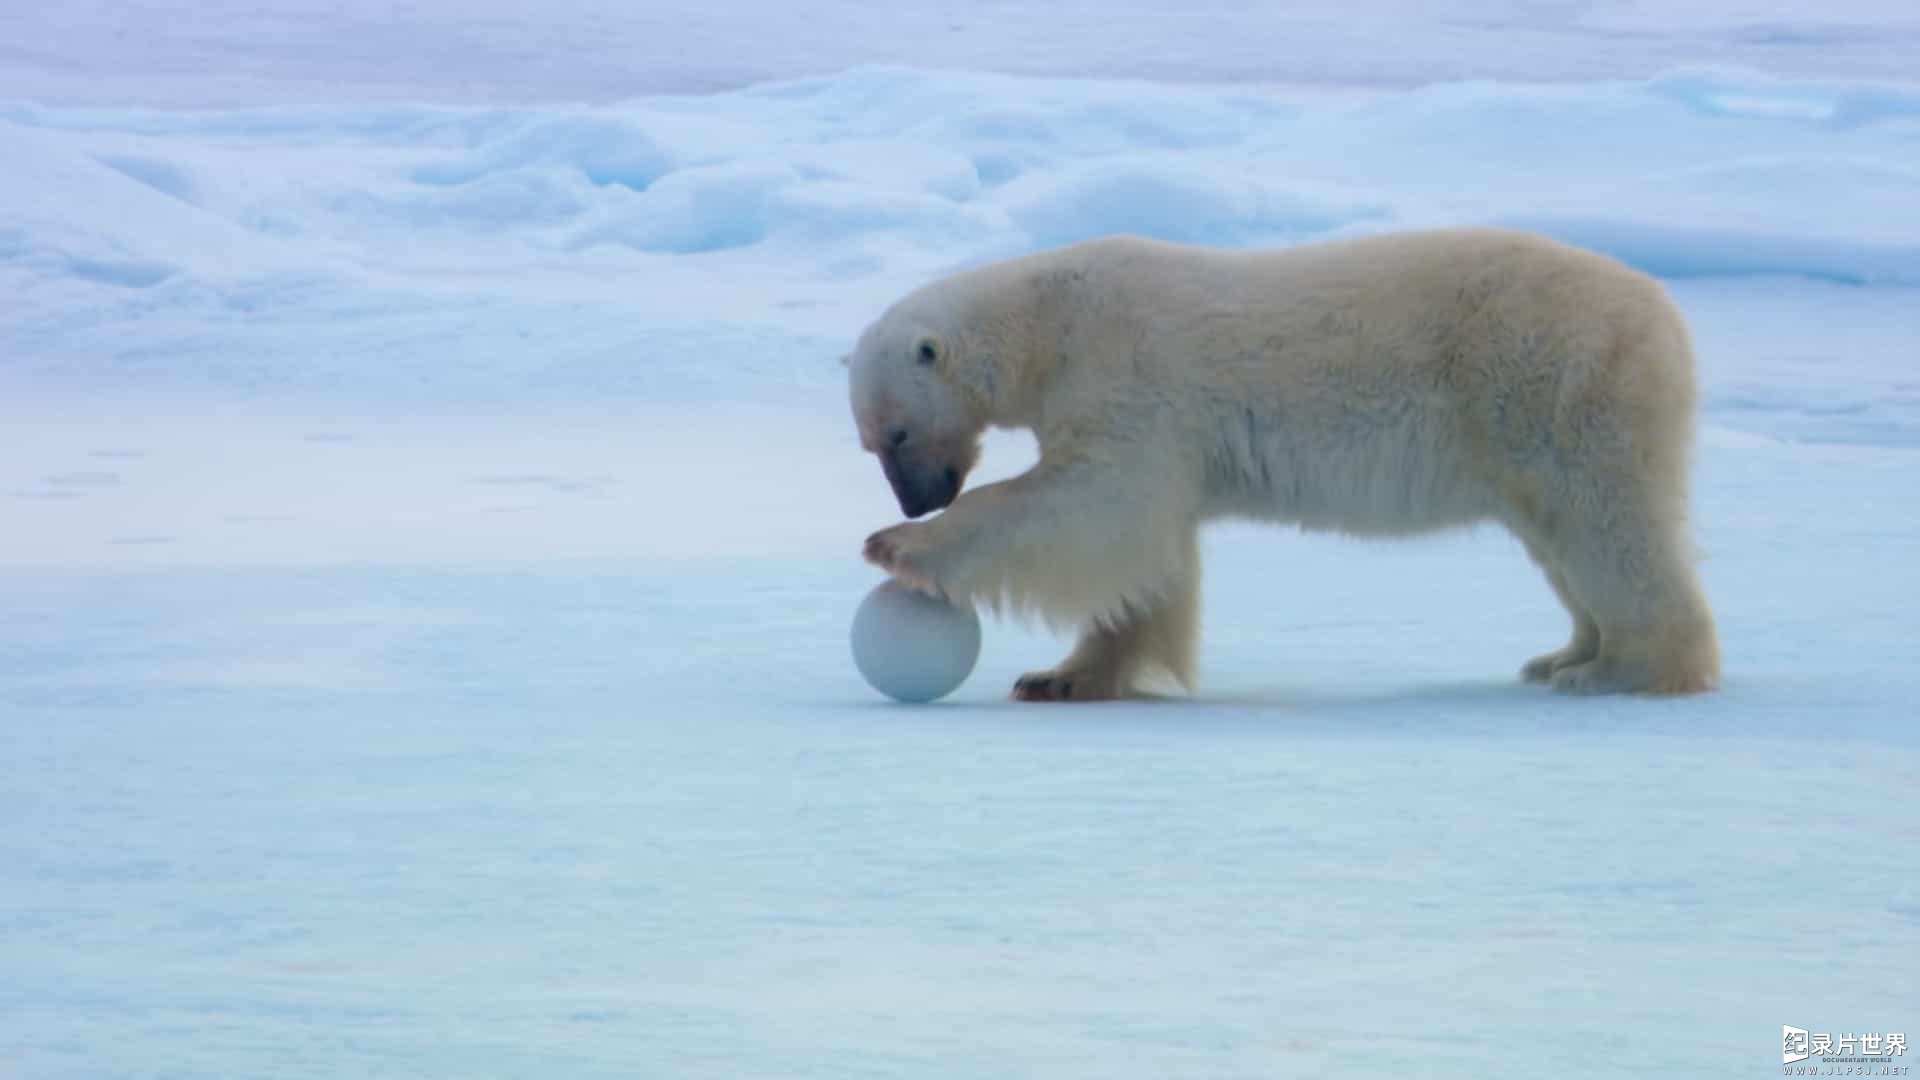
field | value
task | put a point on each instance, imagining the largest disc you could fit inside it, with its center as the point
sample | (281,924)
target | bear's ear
(926,351)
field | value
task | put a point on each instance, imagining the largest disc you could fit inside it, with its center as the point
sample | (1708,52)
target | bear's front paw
(1063,685)
(903,551)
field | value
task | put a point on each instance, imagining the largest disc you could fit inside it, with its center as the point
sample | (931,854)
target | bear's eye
(927,352)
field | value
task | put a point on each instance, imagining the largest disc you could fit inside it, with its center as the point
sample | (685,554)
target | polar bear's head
(913,410)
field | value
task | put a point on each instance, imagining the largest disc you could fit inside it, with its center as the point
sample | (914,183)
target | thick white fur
(1386,385)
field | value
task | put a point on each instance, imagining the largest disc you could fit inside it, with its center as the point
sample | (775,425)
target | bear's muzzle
(921,486)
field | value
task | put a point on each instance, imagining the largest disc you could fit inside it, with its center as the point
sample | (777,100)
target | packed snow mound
(1679,252)
(739,204)
(1736,92)
(605,150)
(1172,198)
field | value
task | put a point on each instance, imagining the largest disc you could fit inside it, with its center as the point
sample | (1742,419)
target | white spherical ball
(913,647)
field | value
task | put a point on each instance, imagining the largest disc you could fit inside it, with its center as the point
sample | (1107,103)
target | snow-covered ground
(431,527)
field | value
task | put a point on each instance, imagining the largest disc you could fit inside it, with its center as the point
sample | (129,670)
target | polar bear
(1385,385)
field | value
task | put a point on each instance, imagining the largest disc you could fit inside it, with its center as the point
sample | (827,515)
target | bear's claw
(1043,687)
(1093,685)
(890,550)
(1542,669)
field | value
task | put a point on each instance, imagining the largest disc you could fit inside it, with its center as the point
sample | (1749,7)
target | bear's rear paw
(1541,669)
(1625,677)
(1592,677)
(1065,686)
(1600,677)
(1685,682)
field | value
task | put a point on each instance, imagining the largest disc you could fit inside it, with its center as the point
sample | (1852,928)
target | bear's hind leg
(1111,658)
(1585,644)
(1633,572)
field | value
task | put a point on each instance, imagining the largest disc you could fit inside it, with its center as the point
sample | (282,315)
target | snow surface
(224,52)
(432,528)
